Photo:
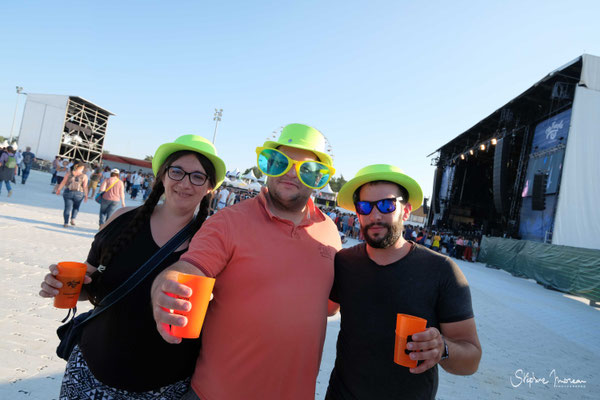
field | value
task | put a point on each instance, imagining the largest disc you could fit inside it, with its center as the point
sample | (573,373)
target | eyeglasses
(197,178)
(311,173)
(385,206)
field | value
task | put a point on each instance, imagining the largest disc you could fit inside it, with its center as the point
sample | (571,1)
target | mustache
(381,224)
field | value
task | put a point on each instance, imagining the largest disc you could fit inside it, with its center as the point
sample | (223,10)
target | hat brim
(323,157)
(415,193)
(167,149)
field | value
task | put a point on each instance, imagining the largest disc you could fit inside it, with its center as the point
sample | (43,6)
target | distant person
(95,179)
(19,160)
(148,184)
(75,184)
(106,173)
(436,242)
(468,250)
(231,199)
(61,171)
(8,166)
(475,249)
(114,193)
(136,184)
(55,166)
(388,275)
(223,195)
(28,159)
(120,354)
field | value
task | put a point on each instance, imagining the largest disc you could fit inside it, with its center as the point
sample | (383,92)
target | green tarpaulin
(568,269)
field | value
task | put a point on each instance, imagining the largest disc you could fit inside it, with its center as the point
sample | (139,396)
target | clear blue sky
(385,81)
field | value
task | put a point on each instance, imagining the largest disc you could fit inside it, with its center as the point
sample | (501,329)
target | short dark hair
(402,189)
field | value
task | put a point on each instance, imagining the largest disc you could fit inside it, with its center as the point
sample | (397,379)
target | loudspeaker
(538,198)
(499,186)
(437,184)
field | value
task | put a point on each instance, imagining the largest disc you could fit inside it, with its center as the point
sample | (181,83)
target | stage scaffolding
(84,131)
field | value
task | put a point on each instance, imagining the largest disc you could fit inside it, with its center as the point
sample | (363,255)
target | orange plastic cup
(406,325)
(202,287)
(71,274)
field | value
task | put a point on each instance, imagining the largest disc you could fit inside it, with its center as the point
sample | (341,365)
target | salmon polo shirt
(264,330)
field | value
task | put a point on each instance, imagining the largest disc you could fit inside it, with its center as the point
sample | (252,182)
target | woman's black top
(121,346)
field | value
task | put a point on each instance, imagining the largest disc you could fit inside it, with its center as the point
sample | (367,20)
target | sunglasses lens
(363,207)
(271,162)
(314,174)
(386,206)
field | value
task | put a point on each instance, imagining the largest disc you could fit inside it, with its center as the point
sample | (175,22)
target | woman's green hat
(302,137)
(380,172)
(193,143)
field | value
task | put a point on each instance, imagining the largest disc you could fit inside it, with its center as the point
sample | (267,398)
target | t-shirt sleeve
(333,295)
(211,247)
(94,254)
(454,303)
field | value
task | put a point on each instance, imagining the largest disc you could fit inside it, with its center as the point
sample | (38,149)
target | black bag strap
(142,272)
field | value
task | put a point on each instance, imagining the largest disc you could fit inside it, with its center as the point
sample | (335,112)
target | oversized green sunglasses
(313,174)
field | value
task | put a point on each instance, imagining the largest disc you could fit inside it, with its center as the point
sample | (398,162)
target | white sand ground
(524,328)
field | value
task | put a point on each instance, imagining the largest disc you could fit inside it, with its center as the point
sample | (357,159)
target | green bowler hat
(302,137)
(193,143)
(380,172)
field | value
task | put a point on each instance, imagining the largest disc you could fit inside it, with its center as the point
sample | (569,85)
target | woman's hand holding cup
(51,286)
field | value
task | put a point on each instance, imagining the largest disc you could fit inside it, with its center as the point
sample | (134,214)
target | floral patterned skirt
(79,383)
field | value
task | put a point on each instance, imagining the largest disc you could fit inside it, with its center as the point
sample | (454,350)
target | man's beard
(394,232)
(295,203)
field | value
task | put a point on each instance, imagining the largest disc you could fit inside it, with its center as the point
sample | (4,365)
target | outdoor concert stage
(531,169)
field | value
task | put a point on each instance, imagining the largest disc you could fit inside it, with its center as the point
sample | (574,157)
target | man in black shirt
(389,275)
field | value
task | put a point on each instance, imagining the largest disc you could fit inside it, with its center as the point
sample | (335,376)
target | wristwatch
(445,355)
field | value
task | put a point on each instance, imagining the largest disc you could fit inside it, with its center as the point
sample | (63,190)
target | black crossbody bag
(70,332)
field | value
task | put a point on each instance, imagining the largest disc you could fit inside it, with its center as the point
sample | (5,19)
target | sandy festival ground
(525,330)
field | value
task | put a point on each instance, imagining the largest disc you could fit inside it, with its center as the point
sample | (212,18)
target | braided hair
(143,213)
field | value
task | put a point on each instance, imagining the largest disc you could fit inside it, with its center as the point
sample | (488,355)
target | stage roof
(535,103)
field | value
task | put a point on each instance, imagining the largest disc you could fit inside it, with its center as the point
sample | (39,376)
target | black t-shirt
(424,284)
(122,347)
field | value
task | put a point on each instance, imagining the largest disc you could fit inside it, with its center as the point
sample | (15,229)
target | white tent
(263,179)
(327,189)
(239,184)
(234,174)
(255,187)
(249,176)
(326,193)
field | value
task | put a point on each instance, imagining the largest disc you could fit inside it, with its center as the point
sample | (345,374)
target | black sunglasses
(197,178)
(385,206)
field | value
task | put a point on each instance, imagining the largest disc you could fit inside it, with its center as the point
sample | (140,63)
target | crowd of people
(279,271)
(111,184)
(462,246)
(13,163)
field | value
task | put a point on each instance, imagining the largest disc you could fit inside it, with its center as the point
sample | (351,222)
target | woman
(110,199)
(75,184)
(94,180)
(8,165)
(121,354)
(105,174)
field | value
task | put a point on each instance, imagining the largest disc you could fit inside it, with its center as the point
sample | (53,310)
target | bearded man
(387,275)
